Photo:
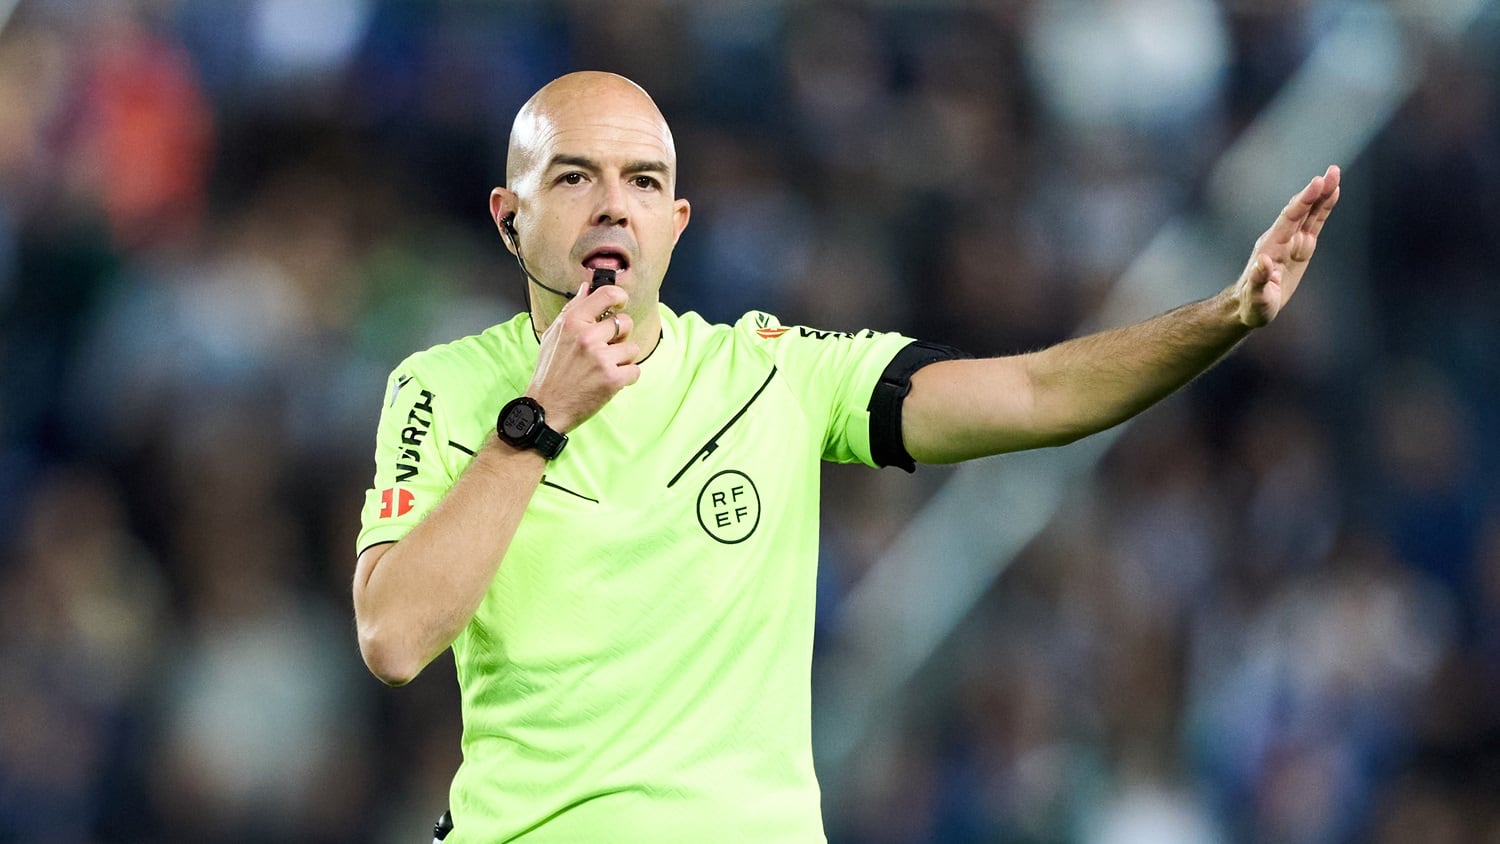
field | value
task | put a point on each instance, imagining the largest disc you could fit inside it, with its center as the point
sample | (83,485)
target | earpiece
(508,223)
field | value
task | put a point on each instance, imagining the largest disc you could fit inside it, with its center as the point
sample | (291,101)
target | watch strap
(549,442)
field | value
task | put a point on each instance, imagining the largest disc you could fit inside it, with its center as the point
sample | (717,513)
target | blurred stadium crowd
(1273,615)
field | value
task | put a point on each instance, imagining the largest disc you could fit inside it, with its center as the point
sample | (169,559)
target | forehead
(600,129)
(606,126)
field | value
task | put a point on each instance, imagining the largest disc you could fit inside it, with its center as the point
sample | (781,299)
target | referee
(609,511)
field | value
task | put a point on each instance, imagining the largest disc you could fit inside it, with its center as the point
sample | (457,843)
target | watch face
(519,421)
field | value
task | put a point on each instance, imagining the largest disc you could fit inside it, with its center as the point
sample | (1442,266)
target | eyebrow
(642,166)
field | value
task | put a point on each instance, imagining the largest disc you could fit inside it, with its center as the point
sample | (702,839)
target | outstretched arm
(963,409)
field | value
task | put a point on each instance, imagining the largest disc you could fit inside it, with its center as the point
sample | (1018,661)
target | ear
(681,212)
(503,205)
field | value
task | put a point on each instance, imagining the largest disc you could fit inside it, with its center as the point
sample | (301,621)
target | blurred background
(1267,611)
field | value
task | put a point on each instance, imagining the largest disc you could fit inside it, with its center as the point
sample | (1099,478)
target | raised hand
(587,357)
(1281,254)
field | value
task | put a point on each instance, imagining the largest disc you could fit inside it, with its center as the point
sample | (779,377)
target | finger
(621,324)
(1331,178)
(604,331)
(568,314)
(624,353)
(1320,214)
(1290,221)
(630,373)
(572,303)
(610,297)
(615,328)
(1327,196)
(594,306)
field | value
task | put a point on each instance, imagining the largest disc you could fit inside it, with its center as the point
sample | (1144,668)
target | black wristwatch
(523,424)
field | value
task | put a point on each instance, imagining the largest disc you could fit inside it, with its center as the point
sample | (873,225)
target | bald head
(591,183)
(586,101)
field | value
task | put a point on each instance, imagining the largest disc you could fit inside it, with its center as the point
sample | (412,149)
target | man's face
(592,186)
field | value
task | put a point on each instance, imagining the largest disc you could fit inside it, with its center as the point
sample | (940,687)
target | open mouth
(607,259)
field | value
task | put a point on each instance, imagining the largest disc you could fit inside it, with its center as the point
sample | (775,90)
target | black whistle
(601,277)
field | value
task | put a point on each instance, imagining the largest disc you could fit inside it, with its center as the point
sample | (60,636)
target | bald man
(609,511)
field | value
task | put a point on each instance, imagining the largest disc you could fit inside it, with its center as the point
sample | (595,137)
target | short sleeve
(832,374)
(411,475)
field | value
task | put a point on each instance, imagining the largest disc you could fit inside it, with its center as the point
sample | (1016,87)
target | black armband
(886,445)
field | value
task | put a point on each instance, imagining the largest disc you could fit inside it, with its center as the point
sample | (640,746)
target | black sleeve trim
(886,445)
(372,545)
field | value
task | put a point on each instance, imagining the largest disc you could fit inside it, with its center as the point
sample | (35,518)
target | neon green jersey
(639,668)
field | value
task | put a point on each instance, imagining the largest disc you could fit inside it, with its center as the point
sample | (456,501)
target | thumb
(1263,272)
(570,305)
(583,290)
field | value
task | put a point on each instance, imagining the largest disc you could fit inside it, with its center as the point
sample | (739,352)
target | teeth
(608,261)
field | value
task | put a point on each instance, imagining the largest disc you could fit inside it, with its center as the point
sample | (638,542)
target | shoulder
(458,375)
(754,329)
(798,350)
(787,343)
(490,354)
(702,339)
(759,334)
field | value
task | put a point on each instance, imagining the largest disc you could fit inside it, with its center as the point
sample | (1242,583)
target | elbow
(391,664)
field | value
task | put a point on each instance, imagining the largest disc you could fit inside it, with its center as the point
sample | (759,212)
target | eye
(645,182)
(572,177)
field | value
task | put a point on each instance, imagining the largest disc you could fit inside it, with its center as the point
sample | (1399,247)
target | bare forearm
(413,598)
(1091,383)
(963,409)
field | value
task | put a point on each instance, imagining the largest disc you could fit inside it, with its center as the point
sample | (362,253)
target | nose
(612,210)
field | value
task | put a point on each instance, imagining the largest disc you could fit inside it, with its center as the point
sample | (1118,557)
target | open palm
(1281,254)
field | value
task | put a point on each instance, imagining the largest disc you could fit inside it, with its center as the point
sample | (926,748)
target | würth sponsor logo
(827,335)
(395,502)
(418,425)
